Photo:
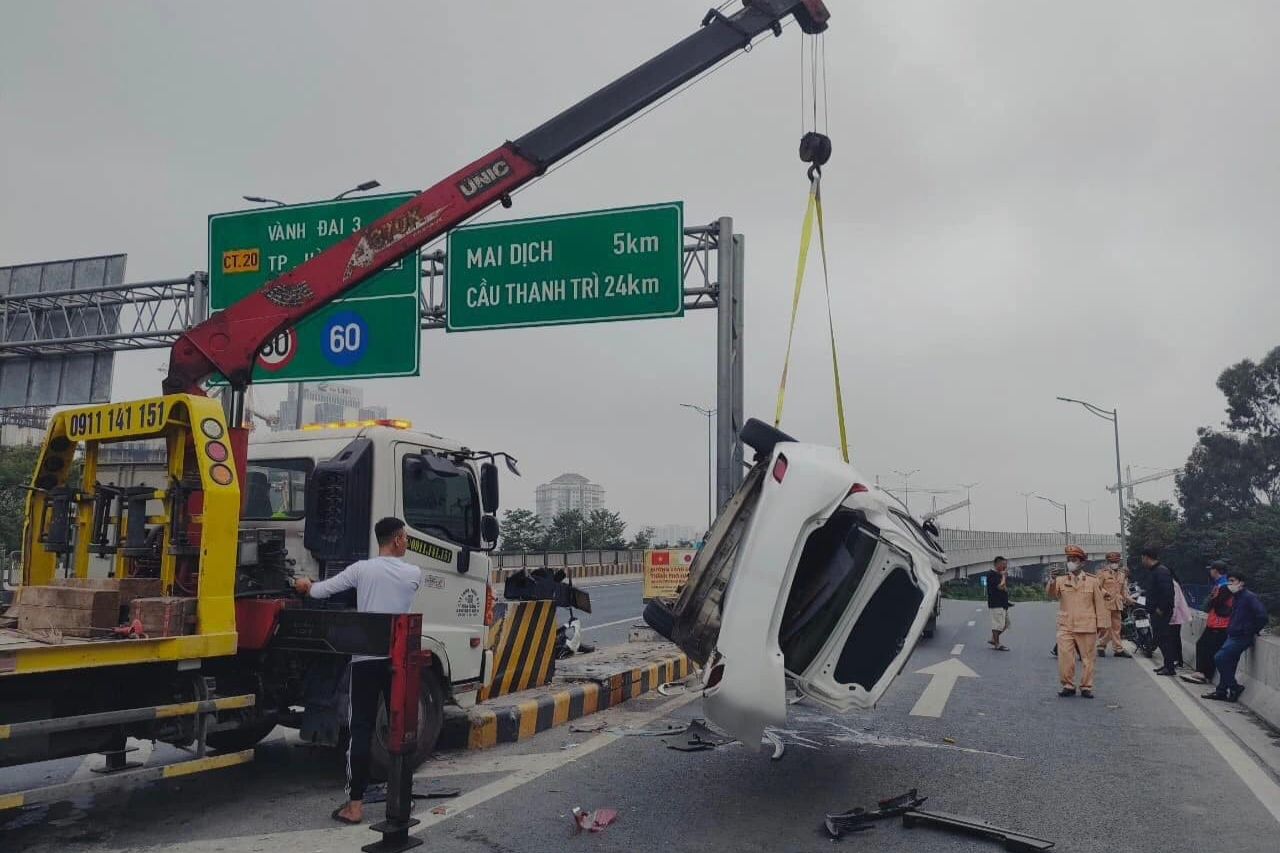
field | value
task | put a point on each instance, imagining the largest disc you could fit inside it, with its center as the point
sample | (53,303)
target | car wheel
(430,721)
(761,437)
(659,616)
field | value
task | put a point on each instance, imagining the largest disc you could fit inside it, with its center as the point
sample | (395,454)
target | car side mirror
(489,529)
(931,528)
(489,490)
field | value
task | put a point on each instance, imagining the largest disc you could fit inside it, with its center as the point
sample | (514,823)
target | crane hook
(815,149)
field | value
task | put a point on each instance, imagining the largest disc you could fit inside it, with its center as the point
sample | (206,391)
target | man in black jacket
(1160,606)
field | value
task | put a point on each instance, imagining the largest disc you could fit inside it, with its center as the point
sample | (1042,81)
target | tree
(1234,469)
(16,466)
(1152,525)
(605,531)
(567,531)
(522,531)
(642,540)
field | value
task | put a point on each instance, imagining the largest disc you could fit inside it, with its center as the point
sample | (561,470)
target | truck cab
(319,490)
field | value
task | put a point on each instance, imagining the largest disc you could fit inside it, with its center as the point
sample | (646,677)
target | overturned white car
(810,577)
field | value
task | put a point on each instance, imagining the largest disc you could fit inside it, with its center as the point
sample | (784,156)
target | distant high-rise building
(566,492)
(326,402)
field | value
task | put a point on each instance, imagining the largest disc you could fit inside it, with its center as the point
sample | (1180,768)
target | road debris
(589,728)
(857,820)
(949,740)
(776,740)
(594,821)
(700,738)
(672,729)
(378,793)
(1014,841)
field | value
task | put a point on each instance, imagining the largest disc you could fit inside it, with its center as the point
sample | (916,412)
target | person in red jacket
(1217,617)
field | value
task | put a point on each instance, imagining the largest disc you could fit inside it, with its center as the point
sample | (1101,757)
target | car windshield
(276,488)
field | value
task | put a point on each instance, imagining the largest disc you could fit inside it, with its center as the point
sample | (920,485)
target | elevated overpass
(968,552)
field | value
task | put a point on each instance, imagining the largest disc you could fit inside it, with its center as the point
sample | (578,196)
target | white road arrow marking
(945,675)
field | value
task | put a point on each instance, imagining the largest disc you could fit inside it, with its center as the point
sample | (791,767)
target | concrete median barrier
(1259,670)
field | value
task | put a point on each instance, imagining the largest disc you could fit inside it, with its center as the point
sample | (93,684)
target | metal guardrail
(951,541)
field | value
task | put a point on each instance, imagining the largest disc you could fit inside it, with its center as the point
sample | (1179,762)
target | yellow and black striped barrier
(487,725)
(523,641)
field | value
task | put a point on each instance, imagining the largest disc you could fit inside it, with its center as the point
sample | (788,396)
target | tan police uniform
(1114,585)
(1082,612)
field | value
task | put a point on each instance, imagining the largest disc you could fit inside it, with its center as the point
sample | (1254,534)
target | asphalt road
(1139,768)
(615,607)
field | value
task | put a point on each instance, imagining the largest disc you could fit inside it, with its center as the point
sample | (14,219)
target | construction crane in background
(936,513)
(1159,474)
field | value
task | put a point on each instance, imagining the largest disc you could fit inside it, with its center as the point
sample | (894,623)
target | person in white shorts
(998,603)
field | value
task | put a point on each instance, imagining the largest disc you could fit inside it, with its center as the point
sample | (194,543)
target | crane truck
(235,653)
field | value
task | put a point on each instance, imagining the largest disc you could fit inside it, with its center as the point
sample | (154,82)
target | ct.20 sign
(371,332)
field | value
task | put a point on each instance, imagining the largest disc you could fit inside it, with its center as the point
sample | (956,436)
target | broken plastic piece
(594,821)
(970,826)
(778,746)
(853,821)
(588,728)
(950,740)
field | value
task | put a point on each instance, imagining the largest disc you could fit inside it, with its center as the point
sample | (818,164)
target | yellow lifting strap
(812,211)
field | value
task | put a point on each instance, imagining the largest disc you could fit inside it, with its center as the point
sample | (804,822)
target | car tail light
(780,468)
(715,676)
(857,488)
(488,604)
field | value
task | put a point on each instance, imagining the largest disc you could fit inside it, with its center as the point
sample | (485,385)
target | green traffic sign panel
(371,332)
(597,266)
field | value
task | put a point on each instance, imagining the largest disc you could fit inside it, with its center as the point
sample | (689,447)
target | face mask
(1114,566)
(1234,586)
(1074,565)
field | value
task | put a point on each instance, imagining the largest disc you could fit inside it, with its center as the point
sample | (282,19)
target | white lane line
(957,649)
(1253,776)
(972,623)
(611,624)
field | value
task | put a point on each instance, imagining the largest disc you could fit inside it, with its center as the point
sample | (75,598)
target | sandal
(1000,648)
(338,816)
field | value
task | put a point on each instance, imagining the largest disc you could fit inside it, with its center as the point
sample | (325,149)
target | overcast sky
(1027,199)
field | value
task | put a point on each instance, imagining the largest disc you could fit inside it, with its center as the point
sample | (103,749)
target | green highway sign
(619,264)
(371,332)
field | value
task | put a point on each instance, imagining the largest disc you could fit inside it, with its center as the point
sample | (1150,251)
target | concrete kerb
(592,683)
(1259,671)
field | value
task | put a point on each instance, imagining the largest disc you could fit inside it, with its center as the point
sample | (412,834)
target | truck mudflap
(117,771)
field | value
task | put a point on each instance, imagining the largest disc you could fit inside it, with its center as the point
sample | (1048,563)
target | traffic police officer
(1115,589)
(1083,618)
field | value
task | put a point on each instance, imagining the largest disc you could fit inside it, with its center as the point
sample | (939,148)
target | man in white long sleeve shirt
(383,584)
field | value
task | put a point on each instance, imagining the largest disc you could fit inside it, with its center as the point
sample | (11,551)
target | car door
(443,517)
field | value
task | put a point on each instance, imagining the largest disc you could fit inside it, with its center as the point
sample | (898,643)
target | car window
(921,535)
(833,563)
(446,507)
(276,488)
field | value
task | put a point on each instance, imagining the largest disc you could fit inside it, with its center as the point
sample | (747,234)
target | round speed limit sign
(279,350)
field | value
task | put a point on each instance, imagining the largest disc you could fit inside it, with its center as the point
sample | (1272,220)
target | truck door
(443,517)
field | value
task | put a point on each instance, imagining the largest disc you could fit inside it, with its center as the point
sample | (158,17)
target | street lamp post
(906,487)
(711,486)
(1114,416)
(1066,532)
(1026,506)
(1088,504)
(257,199)
(968,489)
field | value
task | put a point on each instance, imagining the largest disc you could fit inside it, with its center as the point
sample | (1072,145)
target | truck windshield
(444,507)
(276,488)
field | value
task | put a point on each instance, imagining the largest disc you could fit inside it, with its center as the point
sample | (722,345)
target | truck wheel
(929,628)
(234,740)
(658,616)
(430,721)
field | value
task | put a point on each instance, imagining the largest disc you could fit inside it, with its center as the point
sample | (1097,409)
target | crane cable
(815,149)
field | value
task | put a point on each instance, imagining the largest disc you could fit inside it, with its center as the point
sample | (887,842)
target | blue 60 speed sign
(344,338)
